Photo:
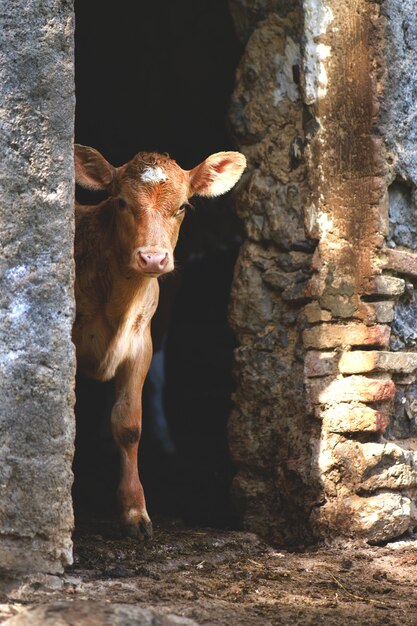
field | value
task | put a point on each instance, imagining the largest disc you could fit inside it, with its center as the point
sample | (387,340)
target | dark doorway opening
(158,76)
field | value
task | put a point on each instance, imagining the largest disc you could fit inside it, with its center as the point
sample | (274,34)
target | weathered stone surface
(350,389)
(402,207)
(343,307)
(387,286)
(376,518)
(265,112)
(93,613)
(247,13)
(268,431)
(405,379)
(314,313)
(36,302)
(346,211)
(320,363)
(354,418)
(349,258)
(359,361)
(326,336)
(404,415)
(401,261)
(398,123)
(256,432)
(383,312)
(369,467)
(404,328)
(398,126)
(250,314)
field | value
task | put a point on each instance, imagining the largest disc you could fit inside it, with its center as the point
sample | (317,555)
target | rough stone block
(401,261)
(387,286)
(326,336)
(320,363)
(376,518)
(95,613)
(251,304)
(354,418)
(383,311)
(358,361)
(314,313)
(342,306)
(399,477)
(368,312)
(350,389)
(368,467)
(296,293)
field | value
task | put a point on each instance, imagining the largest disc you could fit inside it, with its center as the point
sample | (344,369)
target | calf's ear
(91,169)
(217,174)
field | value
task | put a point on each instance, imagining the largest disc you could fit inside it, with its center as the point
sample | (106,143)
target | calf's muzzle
(152,262)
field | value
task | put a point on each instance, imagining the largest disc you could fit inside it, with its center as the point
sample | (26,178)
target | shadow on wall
(162,81)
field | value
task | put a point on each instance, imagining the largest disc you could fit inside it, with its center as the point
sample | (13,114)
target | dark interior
(158,76)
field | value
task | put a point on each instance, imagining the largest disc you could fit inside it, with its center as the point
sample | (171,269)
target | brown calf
(121,246)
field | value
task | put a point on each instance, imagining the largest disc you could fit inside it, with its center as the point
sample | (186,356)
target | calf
(122,245)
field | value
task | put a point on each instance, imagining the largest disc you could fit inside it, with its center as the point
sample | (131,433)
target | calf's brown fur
(122,245)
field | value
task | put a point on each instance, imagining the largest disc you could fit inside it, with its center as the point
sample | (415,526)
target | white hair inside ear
(217,174)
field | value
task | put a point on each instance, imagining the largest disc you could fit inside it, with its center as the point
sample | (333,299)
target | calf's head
(148,197)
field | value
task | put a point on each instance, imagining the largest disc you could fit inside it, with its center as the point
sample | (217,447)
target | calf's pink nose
(152,262)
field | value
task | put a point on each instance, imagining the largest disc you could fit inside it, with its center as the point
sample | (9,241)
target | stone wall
(354,377)
(324,426)
(268,431)
(36,269)
(324,430)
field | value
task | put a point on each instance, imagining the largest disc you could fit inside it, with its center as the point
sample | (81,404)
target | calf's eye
(182,208)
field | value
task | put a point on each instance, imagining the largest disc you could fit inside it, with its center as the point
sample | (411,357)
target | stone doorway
(322,428)
(163,82)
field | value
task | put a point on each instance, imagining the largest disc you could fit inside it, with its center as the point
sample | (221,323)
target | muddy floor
(230,578)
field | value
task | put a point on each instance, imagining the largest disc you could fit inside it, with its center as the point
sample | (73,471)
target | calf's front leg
(126,420)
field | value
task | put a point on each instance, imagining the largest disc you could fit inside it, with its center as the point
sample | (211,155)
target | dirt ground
(231,578)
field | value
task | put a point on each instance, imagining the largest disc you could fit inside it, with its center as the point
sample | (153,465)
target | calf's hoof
(141,531)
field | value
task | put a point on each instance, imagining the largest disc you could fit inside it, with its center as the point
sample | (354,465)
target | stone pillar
(269,431)
(368,480)
(36,299)
(324,109)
